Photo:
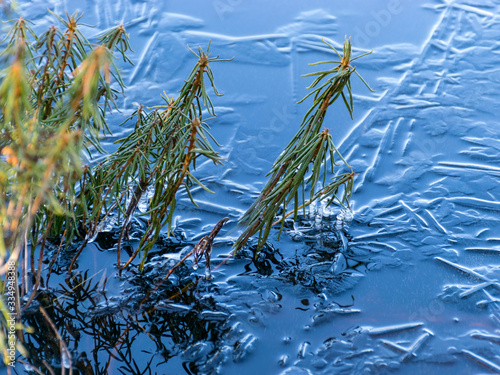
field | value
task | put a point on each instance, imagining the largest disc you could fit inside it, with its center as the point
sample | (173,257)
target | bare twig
(62,345)
(203,246)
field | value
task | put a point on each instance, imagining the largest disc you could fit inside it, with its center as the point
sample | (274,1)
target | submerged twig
(32,368)
(78,252)
(203,247)
(65,354)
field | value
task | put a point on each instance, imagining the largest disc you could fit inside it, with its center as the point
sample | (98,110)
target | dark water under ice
(413,289)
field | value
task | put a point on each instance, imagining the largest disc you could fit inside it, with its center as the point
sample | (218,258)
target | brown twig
(203,246)
(62,346)
(38,272)
(73,261)
(54,257)
(136,197)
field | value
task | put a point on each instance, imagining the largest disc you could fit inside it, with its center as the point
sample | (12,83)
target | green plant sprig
(158,155)
(305,159)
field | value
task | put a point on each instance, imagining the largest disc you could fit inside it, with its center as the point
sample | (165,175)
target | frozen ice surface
(425,148)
